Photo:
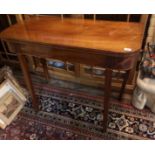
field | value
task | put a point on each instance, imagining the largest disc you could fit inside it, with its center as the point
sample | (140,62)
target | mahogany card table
(108,44)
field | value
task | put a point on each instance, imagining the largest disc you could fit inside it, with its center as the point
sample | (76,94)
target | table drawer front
(82,56)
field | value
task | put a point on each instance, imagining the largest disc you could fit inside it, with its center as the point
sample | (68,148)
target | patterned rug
(67,114)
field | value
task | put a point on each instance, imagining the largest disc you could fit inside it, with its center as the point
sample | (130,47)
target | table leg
(35,62)
(45,69)
(107,93)
(125,79)
(77,70)
(28,81)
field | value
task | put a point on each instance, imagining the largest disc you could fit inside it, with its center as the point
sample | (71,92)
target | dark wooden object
(27,78)
(99,43)
(45,69)
(126,77)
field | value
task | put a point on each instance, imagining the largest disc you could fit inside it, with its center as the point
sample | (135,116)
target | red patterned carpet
(66,114)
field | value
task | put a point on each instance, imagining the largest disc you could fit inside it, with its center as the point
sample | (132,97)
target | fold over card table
(112,45)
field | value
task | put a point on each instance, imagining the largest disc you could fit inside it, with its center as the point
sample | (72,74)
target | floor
(74,111)
(92,90)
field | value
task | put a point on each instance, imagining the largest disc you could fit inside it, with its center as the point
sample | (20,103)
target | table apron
(82,56)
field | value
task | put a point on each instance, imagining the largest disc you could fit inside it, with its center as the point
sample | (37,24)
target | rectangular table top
(100,35)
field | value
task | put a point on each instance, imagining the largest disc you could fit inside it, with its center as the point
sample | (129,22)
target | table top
(100,35)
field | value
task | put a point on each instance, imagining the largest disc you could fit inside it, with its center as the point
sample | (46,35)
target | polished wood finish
(126,77)
(28,80)
(107,91)
(78,41)
(77,69)
(45,69)
(121,61)
(100,35)
(35,62)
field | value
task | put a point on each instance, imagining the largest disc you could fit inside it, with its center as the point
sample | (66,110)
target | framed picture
(10,106)
(12,98)
(6,74)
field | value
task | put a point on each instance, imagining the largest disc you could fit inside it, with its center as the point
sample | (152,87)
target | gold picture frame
(12,97)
